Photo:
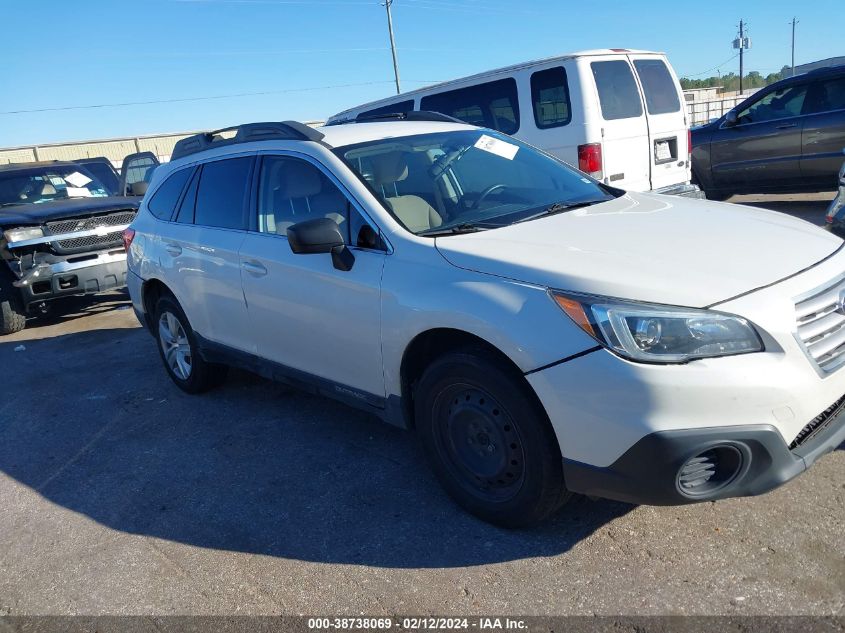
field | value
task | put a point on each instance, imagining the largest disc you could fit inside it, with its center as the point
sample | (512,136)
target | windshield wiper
(456,229)
(560,207)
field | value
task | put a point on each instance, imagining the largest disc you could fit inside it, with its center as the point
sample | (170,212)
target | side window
(189,201)
(829,96)
(291,190)
(222,191)
(618,93)
(550,98)
(493,104)
(391,108)
(777,104)
(164,200)
(661,94)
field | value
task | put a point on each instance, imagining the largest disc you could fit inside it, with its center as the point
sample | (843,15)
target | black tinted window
(492,105)
(105,174)
(222,190)
(164,200)
(829,96)
(550,98)
(661,95)
(402,106)
(618,93)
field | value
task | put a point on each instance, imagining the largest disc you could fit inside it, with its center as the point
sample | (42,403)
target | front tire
(179,352)
(12,311)
(488,440)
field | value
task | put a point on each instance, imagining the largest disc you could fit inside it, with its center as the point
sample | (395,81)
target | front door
(762,151)
(305,314)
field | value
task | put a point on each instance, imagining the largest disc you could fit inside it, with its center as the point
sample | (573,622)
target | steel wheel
(480,442)
(175,345)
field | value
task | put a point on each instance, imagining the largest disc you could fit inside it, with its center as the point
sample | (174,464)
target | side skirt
(388,410)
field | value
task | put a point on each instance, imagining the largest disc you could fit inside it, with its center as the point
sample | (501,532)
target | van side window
(164,200)
(550,98)
(661,95)
(222,193)
(618,93)
(391,108)
(493,104)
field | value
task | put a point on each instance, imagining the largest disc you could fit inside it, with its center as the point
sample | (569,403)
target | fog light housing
(709,471)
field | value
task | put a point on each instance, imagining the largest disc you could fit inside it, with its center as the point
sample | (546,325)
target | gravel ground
(122,495)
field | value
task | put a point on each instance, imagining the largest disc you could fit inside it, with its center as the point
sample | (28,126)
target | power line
(710,70)
(205,98)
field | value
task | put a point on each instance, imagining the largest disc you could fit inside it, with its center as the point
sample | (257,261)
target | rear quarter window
(164,200)
(661,95)
(550,98)
(618,94)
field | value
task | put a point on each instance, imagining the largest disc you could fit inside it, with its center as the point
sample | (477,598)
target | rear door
(823,134)
(625,141)
(137,168)
(667,124)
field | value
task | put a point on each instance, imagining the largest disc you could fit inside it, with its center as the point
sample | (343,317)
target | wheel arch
(151,291)
(431,344)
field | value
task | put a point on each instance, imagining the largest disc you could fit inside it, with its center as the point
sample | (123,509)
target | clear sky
(316,57)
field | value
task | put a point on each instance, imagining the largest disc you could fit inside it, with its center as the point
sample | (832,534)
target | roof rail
(280,131)
(413,115)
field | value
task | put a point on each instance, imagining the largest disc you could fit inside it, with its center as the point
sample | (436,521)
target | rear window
(493,104)
(222,192)
(401,107)
(550,98)
(618,93)
(661,95)
(164,201)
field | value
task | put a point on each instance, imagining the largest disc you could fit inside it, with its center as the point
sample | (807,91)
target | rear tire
(179,351)
(12,311)
(717,196)
(488,440)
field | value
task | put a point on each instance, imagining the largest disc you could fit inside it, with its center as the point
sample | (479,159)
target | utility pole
(387,4)
(794,22)
(741,49)
(742,42)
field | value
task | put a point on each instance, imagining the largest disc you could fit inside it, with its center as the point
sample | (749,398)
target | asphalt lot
(122,495)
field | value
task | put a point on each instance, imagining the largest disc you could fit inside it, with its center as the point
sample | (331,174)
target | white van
(617,114)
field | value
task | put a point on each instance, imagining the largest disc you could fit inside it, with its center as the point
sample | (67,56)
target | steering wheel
(484,194)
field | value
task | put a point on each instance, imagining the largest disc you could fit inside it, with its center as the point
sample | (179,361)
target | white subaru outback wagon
(543,333)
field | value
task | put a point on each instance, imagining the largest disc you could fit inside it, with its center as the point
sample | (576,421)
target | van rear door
(624,129)
(668,140)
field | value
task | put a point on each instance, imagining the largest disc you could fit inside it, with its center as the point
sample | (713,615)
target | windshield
(467,180)
(45,184)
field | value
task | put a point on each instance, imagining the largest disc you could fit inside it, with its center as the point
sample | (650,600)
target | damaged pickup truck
(60,235)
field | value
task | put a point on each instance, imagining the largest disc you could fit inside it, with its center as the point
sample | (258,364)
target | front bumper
(96,273)
(648,472)
(685,190)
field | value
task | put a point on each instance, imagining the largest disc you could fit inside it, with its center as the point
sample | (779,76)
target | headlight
(25,233)
(657,333)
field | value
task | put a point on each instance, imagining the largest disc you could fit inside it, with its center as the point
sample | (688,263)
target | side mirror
(731,119)
(321,235)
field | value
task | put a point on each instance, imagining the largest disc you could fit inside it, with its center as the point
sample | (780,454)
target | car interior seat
(414,212)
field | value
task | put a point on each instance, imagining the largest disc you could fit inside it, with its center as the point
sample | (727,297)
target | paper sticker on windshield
(497,147)
(77,179)
(78,192)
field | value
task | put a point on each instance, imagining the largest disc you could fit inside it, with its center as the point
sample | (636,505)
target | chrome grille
(86,224)
(821,326)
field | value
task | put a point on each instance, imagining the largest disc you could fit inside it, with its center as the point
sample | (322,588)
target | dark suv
(786,138)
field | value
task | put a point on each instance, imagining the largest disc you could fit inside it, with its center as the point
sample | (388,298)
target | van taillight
(689,145)
(128,236)
(589,159)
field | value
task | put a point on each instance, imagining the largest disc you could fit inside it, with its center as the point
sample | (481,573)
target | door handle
(786,125)
(256,269)
(173,249)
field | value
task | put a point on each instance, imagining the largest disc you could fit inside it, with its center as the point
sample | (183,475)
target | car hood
(648,247)
(31,214)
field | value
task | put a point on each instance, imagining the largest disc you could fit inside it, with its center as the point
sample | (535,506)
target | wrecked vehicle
(60,235)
